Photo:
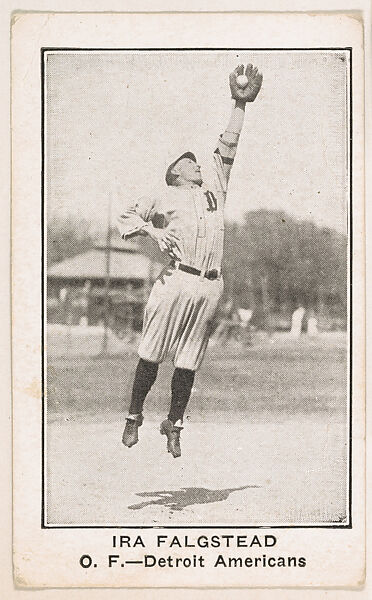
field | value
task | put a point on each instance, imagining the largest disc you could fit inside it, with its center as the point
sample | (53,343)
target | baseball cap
(168,175)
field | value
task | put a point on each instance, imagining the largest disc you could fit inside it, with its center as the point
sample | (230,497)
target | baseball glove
(250,91)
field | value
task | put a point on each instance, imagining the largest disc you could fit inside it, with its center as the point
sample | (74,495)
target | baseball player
(187,222)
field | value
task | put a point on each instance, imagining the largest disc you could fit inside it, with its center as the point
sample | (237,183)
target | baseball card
(188,300)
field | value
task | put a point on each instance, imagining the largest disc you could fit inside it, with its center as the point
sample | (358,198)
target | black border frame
(349,99)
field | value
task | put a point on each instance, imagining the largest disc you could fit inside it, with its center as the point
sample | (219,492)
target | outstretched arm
(228,141)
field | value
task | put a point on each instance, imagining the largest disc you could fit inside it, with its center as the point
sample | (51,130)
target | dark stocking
(144,379)
(182,382)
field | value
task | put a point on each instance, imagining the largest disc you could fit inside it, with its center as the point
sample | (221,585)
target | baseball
(242,81)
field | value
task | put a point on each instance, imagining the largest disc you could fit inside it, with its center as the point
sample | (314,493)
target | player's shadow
(180,499)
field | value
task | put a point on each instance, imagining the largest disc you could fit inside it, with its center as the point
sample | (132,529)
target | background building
(116,278)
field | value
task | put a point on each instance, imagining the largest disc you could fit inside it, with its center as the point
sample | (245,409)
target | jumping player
(187,222)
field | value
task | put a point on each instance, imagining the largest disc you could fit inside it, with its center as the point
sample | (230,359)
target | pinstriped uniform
(181,305)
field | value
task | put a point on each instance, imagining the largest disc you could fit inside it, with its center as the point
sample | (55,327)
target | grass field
(265,440)
(267,380)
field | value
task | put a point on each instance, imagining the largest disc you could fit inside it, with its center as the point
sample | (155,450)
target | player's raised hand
(245,86)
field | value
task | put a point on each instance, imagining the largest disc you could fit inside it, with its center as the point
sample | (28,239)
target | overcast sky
(115,120)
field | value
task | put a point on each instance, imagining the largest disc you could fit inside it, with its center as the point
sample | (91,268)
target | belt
(212,274)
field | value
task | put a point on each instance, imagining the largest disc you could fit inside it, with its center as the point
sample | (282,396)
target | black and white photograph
(188,300)
(196,230)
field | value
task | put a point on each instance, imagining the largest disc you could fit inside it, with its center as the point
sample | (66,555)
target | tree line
(272,261)
(277,262)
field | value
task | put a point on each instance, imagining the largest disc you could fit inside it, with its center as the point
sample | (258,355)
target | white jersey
(194,214)
(181,305)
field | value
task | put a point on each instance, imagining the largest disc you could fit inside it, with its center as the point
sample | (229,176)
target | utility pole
(106,305)
(265,300)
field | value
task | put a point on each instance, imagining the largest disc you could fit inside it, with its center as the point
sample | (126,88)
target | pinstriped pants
(177,318)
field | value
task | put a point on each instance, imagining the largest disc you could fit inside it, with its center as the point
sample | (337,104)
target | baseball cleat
(130,434)
(173,434)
